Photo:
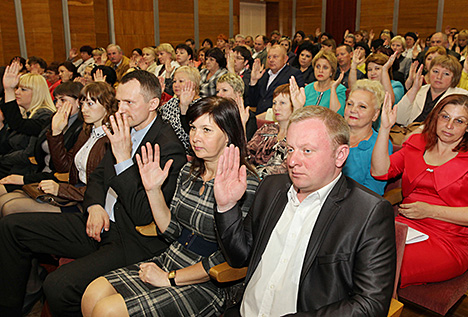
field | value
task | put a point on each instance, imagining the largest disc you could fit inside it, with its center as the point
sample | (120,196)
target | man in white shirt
(315,241)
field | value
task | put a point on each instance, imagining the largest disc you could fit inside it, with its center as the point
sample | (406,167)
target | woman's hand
(335,83)
(390,62)
(418,79)
(371,35)
(98,76)
(358,58)
(168,67)
(152,274)
(298,96)
(317,32)
(13,179)
(389,114)
(72,53)
(11,76)
(416,210)
(60,118)
(230,61)
(151,173)
(415,49)
(187,94)
(412,75)
(244,111)
(257,72)
(49,186)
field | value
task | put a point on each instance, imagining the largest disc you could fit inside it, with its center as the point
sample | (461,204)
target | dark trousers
(64,235)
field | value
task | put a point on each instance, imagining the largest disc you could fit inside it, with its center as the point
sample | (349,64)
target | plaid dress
(192,208)
(208,86)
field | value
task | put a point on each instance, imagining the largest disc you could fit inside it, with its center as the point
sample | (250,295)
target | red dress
(445,254)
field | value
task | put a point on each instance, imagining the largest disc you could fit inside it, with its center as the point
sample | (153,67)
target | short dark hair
(264,38)
(245,53)
(138,50)
(71,68)
(149,83)
(108,72)
(191,41)
(208,41)
(53,67)
(306,46)
(88,49)
(37,60)
(69,88)
(187,48)
(218,55)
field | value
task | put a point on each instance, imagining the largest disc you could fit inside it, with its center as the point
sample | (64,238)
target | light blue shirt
(316,98)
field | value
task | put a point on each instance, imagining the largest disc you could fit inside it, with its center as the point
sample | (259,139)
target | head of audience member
(86,52)
(52,73)
(329,45)
(432,53)
(87,75)
(275,35)
(184,54)
(444,72)
(350,40)
(410,39)
(282,104)
(114,53)
(36,65)
(358,36)
(249,41)
(184,74)
(325,36)
(33,94)
(325,65)
(376,45)
(463,39)
(276,59)
(137,53)
(97,102)
(148,55)
(260,43)
(448,122)
(138,95)
(202,55)
(318,145)
(207,43)
(165,53)
(398,44)
(190,43)
(304,55)
(363,48)
(22,63)
(344,54)
(239,39)
(286,43)
(108,72)
(221,41)
(363,104)
(68,92)
(230,86)
(386,35)
(67,71)
(439,39)
(221,116)
(215,60)
(100,56)
(242,58)
(374,65)
(299,36)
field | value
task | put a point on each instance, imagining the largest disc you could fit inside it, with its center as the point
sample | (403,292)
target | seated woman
(431,53)
(177,281)
(267,149)
(67,71)
(148,61)
(362,109)
(398,45)
(215,68)
(286,43)
(320,92)
(167,65)
(444,75)
(186,87)
(434,169)
(184,55)
(18,131)
(305,54)
(97,102)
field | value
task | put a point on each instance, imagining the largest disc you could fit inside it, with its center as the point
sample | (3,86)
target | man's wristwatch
(171,277)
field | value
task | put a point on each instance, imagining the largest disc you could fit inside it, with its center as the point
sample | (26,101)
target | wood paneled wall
(418,16)
(376,15)
(9,44)
(455,14)
(213,18)
(308,15)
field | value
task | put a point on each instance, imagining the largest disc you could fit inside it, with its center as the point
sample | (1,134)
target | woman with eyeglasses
(434,170)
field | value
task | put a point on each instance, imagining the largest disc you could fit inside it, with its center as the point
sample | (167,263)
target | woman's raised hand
(389,114)
(338,81)
(358,58)
(162,82)
(187,93)
(390,62)
(243,111)
(60,118)
(11,76)
(151,173)
(298,96)
(98,76)
(418,78)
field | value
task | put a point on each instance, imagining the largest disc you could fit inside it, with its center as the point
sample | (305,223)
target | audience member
(260,50)
(117,60)
(215,68)
(104,73)
(184,55)
(344,54)
(52,77)
(67,71)
(86,53)
(303,61)
(36,65)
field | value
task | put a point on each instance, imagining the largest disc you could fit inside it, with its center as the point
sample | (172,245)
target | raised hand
(230,61)
(358,58)
(60,118)
(72,53)
(153,274)
(152,176)
(231,180)
(412,75)
(371,35)
(98,220)
(168,67)
(338,81)
(317,32)
(162,82)
(257,72)
(415,49)
(244,111)
(186,96)
(13,179)
(120,139)
(298,96)
(418,79)
(98,76)
(389,114)
(390,62)
(11,76)
(49,186)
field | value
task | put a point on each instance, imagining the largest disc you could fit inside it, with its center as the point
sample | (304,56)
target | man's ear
(154,104)
(341,155)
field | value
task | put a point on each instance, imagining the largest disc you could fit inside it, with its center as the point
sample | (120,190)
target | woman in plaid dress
(177,283)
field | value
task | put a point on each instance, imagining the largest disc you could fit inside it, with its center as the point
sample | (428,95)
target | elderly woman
(167,63)
(398,45)
(67,71)
(320,92)
(444,75)
(434,169)
(215,68)
(177,281)
(362,109)
(303,61)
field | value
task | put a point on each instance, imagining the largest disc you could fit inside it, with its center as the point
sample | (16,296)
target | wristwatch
(171,277)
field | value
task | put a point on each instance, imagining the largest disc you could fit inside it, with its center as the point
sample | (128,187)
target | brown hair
(283,89)
(379,59)
(452,64)
(329,57)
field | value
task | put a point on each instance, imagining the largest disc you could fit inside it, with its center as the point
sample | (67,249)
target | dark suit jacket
(349,267)
(262,98)
(132,206)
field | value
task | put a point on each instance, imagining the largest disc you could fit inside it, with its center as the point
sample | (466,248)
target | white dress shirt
(81,157)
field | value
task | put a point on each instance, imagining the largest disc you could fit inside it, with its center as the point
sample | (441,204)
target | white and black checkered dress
(193,211)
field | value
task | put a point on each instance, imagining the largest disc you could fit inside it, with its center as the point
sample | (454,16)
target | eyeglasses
(459,122)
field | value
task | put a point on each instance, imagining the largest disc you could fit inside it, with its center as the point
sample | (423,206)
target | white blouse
(81,157)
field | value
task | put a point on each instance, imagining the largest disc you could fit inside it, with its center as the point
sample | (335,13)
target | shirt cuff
(122,166)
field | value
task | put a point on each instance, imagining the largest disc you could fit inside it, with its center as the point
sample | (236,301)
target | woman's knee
(98,289)
(113,305)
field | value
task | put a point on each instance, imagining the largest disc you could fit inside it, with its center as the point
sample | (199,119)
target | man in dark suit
(264,82)
(103,238)
(316,243)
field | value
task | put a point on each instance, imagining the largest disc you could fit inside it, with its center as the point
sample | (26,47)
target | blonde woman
(148,62)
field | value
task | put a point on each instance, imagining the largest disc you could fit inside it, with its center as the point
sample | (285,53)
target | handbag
(38,194)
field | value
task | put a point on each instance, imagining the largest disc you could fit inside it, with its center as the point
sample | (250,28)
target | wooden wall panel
(308,15)
(272,17)
(376,15)
(285,18)
(82,23)
(213,16)
(455,12)
(175,21)
(418,16)
(9,43)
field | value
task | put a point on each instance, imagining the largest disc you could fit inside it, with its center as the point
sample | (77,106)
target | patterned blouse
(208,86)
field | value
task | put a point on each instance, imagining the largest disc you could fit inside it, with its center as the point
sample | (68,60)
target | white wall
(252,20)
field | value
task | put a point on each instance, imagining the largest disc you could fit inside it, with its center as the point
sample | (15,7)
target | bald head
(439,39)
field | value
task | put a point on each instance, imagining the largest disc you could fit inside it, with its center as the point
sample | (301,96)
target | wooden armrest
(223,273)
(148,230)
(396,308)
(32,159)
(63,177)
(394,196)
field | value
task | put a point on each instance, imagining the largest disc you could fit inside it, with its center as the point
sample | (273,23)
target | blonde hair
(150,51)
(330,57)
(452,64)
(372,86)
(166,47)
(193,75)
(41,98)
(400,39)
(233,80)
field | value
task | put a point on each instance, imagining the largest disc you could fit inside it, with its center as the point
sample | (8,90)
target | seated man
(103,238)
(117,60)
(315,241)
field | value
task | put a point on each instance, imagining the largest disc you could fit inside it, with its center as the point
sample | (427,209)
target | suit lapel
(150,136)
(280,75)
